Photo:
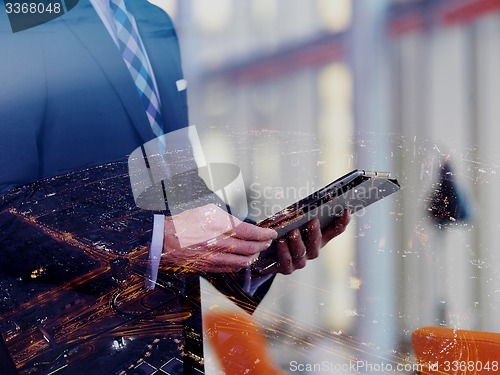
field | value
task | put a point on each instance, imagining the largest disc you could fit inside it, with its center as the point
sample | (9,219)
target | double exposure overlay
(146,148)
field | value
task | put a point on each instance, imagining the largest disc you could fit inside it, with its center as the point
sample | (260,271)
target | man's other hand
(299,246)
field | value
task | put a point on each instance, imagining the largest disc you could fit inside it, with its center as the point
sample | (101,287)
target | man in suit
(69,101)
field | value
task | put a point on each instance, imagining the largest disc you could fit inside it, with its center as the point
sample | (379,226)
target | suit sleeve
(22,94)
(235,287)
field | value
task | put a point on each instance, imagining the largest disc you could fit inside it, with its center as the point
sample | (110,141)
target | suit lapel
(86,25)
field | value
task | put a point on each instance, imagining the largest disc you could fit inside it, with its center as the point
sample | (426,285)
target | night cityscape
(72,295)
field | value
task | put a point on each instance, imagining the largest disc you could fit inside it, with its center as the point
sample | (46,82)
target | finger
(211,261)
(233,245)
(250,232)
(313,236)
(298,250)
(232,262)
(284,258)
(338,227)
(204,266)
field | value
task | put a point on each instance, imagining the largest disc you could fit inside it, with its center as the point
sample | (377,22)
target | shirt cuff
(155,251)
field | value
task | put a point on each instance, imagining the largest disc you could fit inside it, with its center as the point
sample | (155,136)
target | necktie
(134,56)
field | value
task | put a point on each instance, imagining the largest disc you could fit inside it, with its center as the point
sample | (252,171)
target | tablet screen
(354,191)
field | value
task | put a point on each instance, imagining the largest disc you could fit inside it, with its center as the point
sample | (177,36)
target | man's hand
(296,249)
(208,239)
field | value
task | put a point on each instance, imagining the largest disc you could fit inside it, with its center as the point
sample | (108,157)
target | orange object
(451,351)
(240,345)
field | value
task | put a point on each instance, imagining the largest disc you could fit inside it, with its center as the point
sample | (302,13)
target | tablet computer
(354,191)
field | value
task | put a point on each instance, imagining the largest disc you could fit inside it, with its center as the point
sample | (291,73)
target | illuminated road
(68,322)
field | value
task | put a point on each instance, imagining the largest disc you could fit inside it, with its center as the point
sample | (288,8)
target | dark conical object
(446,204)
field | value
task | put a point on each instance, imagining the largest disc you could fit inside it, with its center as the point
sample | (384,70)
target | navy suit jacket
(68,101)
(67,98)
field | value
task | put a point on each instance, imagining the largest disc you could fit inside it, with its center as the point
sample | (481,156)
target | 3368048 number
(32,8)
(471,366)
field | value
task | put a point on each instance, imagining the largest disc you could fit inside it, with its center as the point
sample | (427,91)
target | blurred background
(299,92)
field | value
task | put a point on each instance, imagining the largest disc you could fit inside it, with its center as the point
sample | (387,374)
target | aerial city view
(72,294)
